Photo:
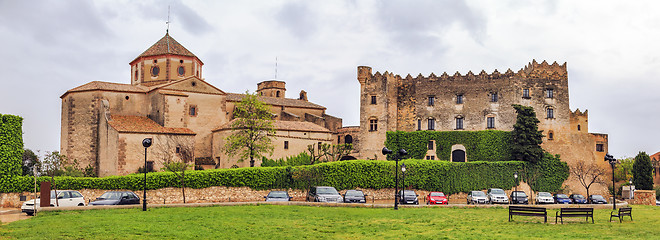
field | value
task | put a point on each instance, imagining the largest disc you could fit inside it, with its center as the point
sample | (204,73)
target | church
(104,123)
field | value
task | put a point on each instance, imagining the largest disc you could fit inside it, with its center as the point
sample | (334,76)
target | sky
(49,47)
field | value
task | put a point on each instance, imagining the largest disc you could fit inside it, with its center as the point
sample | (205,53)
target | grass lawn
(288,222)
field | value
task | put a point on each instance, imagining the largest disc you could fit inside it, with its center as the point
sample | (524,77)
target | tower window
(155,70)
(490,122)
(431,124)
(493,97)
(419,124)
(600,147)
(193,110)
(431,100)
(180,61)
(430,145)
(181,70)
(459,122)
(136,72)
(286,144)
(550,113)
(127,97)
(459,99)
(373,100)
(277,94)
(373,125)
(551,135)
(549,93)
(526,93)
(155,61)
(578,127)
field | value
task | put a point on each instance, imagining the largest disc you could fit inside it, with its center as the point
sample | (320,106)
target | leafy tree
(643,172)
(252,129)
(623,170)
(588,174)
(52,165)
(30,161)
(176,153)
(526,138)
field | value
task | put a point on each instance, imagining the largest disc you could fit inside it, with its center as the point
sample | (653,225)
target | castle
(103,123)
(472,102)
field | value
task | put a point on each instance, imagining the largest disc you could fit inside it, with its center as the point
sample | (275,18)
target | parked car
(496,195)
(477,197)
(519,197)
(436,198)
(277,196)
(544,198)
(408,197)
(578,198)
(65,198)
(562,198)
(597,199)
(116,198)
(324,194)
(355,196)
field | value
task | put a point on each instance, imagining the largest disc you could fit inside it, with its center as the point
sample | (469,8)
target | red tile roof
(116,87)
(167,45)
(285,126)
(137,124)
(287,102)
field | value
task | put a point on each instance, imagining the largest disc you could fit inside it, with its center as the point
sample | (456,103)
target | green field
(309,222)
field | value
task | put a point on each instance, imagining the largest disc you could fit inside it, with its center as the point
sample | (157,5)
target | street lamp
(146,143)
(403,172)
(515,192)
(612,162)
(402,152)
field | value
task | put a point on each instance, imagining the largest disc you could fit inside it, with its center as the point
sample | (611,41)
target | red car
(436,198)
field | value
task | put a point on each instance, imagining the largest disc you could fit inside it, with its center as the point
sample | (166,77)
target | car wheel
(81,205)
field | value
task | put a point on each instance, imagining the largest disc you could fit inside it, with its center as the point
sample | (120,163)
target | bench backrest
(527,209)
(625,210)
(573,210)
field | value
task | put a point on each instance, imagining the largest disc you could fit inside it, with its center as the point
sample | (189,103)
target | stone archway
(458,153)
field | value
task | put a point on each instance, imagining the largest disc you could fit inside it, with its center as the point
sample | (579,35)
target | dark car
(562,199)
(116,198)
(277,196)
(324,194)
(519,197)
(408,197)
(578,199)
(355,196)
(597,199)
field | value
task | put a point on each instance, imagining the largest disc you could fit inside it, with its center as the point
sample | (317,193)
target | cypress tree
(643,172)
(526,137)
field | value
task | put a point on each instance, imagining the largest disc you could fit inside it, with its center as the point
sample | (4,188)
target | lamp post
(515,192)
(403,173)
(612,162)
(402,152)
(631,195)
(146,143)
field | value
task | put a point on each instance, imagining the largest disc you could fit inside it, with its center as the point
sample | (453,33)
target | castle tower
(165,61)
(272,88)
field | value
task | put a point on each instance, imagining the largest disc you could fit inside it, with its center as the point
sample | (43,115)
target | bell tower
(165,61)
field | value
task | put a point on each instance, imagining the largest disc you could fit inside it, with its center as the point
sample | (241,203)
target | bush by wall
(488,145)
(11,149)
(301,159)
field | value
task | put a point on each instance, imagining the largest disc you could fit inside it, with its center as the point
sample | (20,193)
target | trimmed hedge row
(421,174)
(11,148)
(487,145)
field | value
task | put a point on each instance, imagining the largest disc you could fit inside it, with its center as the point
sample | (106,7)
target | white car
(496,195)
(477,197)
(544,197)
(65,198)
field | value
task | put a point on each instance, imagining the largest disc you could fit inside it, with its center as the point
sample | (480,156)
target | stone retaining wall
(645,197)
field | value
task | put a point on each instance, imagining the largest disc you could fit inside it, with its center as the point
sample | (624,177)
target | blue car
(578,199)
(562,199)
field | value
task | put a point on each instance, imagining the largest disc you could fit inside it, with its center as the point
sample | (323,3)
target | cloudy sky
(611,48)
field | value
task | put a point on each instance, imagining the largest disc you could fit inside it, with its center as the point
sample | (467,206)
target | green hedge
(11,148)
(488,145)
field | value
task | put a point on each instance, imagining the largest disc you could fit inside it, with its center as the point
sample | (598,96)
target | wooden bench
(528,211)
(575,212)
(624,211)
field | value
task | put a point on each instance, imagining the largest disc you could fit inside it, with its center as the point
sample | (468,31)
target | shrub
(643,172)
(488,145)
(301,159)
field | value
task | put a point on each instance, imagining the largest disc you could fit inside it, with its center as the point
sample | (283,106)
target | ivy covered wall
(488,145)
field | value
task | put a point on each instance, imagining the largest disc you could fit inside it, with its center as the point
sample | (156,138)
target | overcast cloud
(611,48)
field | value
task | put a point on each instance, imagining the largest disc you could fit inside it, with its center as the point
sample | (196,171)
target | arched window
(550,112)
(419,124)
(348,139)
(551,135)
(578,127)
(431,124)
(277,94)
(459,122)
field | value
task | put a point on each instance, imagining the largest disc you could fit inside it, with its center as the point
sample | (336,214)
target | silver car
(477,197)
(324,194)
(277,196)
(496,195)
(544,198)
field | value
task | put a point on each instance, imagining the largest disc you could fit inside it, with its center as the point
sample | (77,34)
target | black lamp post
(612,162)
(403,172)
(146,143)
(515,192)
(402,152)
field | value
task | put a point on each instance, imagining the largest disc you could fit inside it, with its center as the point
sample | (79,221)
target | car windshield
(111,196)
(478,194)
(437,194)
(277,194)
(497,191)
(562,196)
(326,191)
(519,194)
(578,196)
(354,193)
(409,193)
(545,194)
(597,197)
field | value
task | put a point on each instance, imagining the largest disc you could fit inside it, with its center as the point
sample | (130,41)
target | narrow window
(459,123)
(178,149)
(193,110)
(373,100)
(578,127)
(428,157)
(459,99)
(430,145)
(493,97)
(338,139)
(373,125)
(277,94)
(551,113)
(431,100)
(549,93)
(432,157)
(320,145)
(551,135)
(419,124)
(526,93)
(286,144)
(431,124)
(599,147)
(491,122)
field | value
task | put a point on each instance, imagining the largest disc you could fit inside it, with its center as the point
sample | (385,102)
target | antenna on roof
(168,19)
(275,67)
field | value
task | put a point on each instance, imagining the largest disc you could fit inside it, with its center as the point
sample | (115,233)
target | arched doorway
(458,153)
(348,139)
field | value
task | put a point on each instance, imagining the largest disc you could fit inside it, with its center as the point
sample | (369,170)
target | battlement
(578,113)
(532,70)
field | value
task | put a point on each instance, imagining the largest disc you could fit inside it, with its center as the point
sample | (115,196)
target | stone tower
(163,62)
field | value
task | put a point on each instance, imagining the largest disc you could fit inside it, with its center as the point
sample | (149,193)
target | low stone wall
(645,197)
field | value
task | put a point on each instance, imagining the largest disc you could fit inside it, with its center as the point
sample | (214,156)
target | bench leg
(620,219)
(610,217)
(630,217)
